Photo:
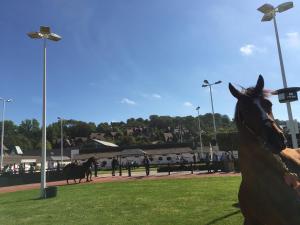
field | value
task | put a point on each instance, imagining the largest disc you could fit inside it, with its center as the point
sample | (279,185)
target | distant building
(168,137)
(158,154)
(99,136)
(129,131)
(6,151)
(81,139)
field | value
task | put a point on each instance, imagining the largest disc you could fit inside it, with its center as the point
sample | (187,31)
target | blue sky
(122,59)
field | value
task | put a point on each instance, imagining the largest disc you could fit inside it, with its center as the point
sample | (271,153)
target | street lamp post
(207,84)
(269,14)
(61,140)
(44,34)
(200,135)
(2,132)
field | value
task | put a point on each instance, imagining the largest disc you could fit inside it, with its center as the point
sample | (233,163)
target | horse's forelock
(251,92)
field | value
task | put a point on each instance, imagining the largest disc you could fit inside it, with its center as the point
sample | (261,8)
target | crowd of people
(213,162)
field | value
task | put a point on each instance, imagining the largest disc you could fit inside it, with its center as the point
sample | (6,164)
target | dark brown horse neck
(253,151)
(264,196)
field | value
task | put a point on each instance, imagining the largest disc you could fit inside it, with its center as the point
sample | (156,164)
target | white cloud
(156,96)
(188,104)
(128,101)
(293,39)
(249,49)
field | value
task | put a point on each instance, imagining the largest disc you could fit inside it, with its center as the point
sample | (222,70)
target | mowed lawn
(198,201)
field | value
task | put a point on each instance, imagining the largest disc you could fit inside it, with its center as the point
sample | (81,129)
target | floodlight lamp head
(266,8)
(267,17)
(9,100)
(54,37)
(206,81)
(198,108)
(35,35)
(204,85)
(44,30)
(59,118)
(285,6)
(218,82)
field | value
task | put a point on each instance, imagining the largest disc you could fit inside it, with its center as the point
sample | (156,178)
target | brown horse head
(254,115)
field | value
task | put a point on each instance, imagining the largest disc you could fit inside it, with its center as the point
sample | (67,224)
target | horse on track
(74,171)
(269,193)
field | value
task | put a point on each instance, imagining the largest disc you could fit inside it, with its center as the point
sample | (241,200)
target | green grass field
(165,202)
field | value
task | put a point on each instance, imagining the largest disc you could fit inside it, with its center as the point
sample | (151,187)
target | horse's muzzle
(274,137)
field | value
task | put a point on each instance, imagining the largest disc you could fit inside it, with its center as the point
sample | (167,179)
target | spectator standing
(208,162)
(57,166)
(114,165)
(215,162)
(147,164)
(181,162)
(194,158)
(96,168)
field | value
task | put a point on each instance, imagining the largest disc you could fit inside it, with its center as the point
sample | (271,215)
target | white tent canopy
(105,143)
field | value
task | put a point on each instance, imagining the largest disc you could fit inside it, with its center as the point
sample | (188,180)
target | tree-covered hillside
(155,129)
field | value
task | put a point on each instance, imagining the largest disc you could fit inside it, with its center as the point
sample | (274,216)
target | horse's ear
(259,85)
(236,93)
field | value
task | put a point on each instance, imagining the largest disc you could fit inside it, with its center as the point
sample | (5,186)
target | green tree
(31,130)
(75,128)
(48,145)
(104,128)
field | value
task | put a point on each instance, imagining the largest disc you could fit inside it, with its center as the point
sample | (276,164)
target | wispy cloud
(188,104)
(152,96)
(292,39)
(128,101)
(156,96)
(249,49)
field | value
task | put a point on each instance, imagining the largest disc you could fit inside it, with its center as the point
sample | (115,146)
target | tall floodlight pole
(207,84)
(200,132)
(44,34)
(2,131)
(61,140)
(269,14)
